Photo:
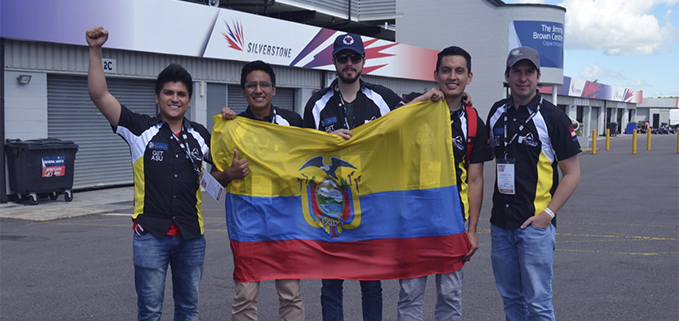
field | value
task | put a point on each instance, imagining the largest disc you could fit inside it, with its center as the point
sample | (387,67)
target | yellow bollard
(593,141)
(648,140)
(608,139)
(634,142)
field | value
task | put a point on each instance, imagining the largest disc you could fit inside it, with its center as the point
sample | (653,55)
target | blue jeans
(151,258)
(522,264)
(448,297)
(332,300)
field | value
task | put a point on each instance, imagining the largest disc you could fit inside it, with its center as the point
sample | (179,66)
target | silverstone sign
(202,31)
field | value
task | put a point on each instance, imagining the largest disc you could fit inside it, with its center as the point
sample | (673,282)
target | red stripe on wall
(381,259)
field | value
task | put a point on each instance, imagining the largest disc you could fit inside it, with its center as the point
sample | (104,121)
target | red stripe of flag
(380,259)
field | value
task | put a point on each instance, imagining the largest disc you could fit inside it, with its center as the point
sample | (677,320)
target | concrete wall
(656,106)
(25,106)
(660,103)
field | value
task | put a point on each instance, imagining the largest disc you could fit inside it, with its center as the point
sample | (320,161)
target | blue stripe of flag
(395,214)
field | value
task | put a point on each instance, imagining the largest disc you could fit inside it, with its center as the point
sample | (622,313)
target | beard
(349,80)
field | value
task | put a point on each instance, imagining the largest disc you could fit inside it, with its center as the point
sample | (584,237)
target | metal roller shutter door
(103,158)
(595,120)
(285,98)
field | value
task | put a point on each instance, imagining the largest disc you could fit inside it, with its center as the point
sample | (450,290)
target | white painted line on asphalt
(116,214)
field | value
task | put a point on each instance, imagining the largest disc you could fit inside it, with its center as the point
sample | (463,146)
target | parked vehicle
(674,119)
(664,129)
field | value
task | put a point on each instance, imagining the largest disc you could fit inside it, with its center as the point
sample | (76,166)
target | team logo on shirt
(157,155)
(329,201)
(574,135)
(498,133)
(197,155)
(528,140)
(157,145)
(458,142)
(329,124)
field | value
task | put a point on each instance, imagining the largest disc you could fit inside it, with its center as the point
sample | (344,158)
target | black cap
(348,41)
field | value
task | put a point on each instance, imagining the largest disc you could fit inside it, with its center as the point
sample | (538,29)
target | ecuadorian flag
(381,205)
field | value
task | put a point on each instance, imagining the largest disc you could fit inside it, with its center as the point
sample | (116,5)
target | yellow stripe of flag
(410,148)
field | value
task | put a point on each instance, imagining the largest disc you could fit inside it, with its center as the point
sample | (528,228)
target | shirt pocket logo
(157,155)
(157,145)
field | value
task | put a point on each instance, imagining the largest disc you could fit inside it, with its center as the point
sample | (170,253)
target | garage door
(595,120)
(103,158)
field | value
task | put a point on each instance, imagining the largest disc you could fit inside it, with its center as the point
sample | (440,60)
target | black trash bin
(40,168)
(614,129)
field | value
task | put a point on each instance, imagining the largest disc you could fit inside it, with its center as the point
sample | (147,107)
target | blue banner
(544,36)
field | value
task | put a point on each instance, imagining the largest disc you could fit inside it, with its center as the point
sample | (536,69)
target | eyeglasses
(262,84)
(343,58)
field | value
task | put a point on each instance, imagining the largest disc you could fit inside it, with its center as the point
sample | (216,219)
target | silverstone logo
(235,36)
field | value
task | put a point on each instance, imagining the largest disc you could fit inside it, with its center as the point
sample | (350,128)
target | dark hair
(454,51)
(174,73)
(256,65)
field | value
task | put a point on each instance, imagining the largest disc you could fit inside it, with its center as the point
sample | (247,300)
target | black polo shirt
(326,110)
(166,185)
(480,151)
(545,139)
(277,115)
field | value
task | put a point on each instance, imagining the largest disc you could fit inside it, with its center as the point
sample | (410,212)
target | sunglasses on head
(343,58)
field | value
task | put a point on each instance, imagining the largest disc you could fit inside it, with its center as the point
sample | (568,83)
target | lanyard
(185,147)
(458,114)
(273,118)
(343,104)
(521,127)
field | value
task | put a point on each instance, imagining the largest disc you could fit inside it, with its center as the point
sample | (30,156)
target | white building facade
(45,40)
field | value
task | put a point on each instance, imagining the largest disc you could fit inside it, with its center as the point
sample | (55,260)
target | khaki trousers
(244,307)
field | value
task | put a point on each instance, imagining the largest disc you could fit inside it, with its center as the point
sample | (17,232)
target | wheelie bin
(40,168)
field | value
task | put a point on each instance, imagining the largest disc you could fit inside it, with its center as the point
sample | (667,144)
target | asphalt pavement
(617,254)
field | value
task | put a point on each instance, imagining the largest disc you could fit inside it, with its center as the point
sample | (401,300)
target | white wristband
(548,211)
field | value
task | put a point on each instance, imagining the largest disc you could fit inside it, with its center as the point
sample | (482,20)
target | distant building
(657,110)
(595,105)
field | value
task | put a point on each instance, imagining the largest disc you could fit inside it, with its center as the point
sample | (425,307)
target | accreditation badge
(505,176)
(212,186)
